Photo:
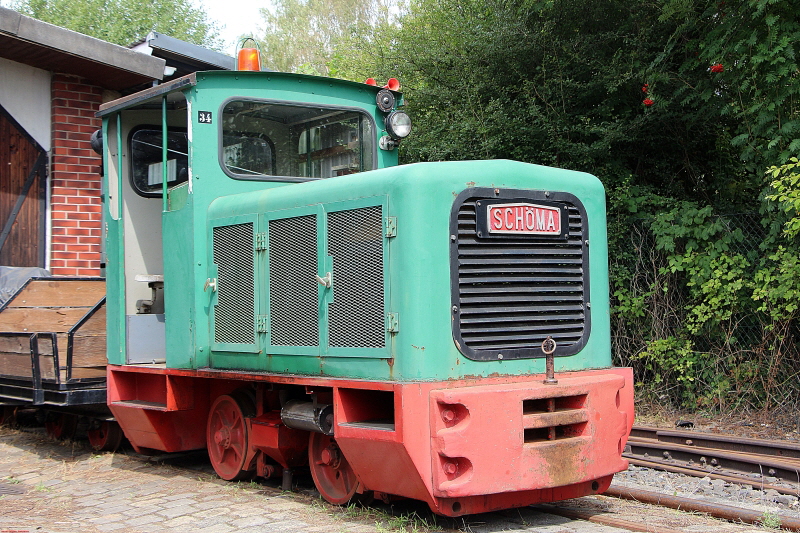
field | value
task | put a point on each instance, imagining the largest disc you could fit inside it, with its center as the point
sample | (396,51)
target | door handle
(210,283)
(326,281)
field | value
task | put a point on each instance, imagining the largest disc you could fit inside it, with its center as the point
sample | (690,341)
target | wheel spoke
(226,438)
(333,475)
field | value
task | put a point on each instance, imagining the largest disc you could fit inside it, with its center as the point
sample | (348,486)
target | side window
(261,138)
(245,154)
(331,149)
(146,160)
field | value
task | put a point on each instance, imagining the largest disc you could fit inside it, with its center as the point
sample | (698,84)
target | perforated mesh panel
(292,281)
(235,310)
(356,315)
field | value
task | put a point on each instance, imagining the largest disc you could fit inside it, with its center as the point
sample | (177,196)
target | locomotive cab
(388,327)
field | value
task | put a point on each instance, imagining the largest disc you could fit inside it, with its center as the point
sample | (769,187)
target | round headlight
(398,125)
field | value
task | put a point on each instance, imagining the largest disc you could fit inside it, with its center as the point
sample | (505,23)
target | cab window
(262,139)
(147,173)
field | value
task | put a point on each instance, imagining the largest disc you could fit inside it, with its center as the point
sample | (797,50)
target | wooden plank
(60,293)
(91,372)
(89,342)
(22,345)
(96,325)
(88,351)
(28,320)
(13,364)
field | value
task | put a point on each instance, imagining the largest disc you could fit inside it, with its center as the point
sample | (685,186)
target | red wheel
(61,425)
(227,439)
(333,476)
(105,437)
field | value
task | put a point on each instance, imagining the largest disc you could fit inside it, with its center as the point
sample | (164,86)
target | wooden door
(23,170)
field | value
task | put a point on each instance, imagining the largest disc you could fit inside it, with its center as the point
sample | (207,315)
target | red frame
(458,445)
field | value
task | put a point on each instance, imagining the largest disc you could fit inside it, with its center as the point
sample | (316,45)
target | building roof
(48,47)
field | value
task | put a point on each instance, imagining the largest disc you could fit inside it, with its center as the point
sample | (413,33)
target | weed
(770,520)
(522,518)
(12,481)
(412,523)
(41,488)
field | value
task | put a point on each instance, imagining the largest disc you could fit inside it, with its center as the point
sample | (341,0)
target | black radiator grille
(510,293)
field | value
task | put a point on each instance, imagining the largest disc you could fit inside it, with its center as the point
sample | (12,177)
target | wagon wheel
(335,479)
(61,426)
(105,437)
(227,438)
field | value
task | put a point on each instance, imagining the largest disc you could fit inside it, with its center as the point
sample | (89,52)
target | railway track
(755,462)
(758,463)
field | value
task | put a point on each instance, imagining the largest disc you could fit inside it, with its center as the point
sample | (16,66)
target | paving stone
(180,496)
(138,503)
(182,522)
(250,521)
(216,528)
(143,520)
(172,512)
(108,518)
(27,477)
(248,510)
(286,525)
(113,526)
(179,503)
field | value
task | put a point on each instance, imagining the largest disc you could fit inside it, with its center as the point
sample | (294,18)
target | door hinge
(392,323)
(391,226)
(260,241)
(261,323)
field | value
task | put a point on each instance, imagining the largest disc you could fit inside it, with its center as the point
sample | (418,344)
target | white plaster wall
(25,94)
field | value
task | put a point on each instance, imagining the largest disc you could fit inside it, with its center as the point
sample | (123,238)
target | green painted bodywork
(416,260)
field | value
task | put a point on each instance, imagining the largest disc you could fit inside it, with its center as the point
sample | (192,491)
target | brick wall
(75,178)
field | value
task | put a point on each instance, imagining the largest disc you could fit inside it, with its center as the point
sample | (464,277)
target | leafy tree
(126,21)
(301,35)
(551,82)
(741,60)
(678,106)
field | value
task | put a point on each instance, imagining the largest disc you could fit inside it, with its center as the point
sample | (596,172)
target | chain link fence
(746,360)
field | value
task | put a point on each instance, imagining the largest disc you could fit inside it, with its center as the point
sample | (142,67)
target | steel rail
(726,512)
(787,470)
(603,518)
(771,448)
(789,462)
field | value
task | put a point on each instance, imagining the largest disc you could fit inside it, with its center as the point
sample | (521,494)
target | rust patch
(421,348)
(471,184)
(564,461)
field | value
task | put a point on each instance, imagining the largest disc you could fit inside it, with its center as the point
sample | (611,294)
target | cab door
(234,305)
